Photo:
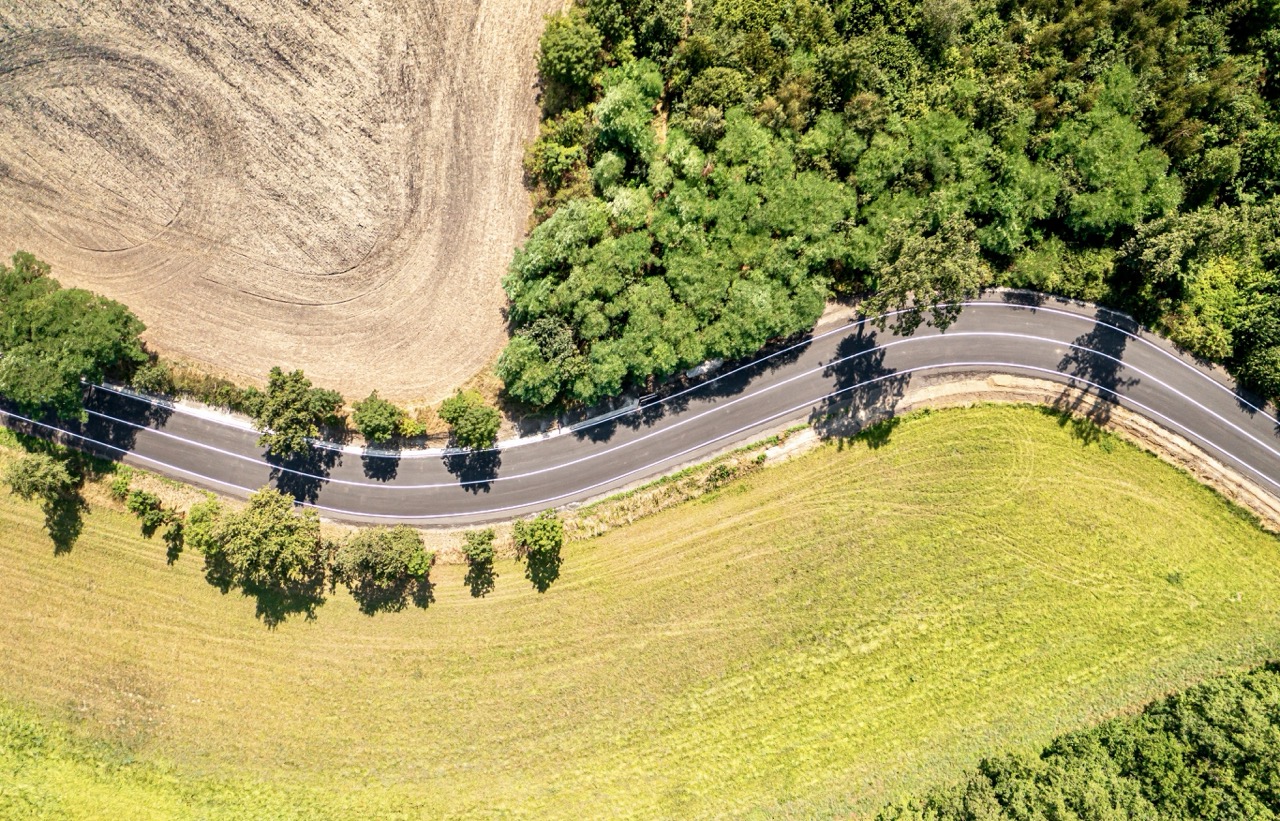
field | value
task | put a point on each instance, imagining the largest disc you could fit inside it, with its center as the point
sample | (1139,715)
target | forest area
(706,177)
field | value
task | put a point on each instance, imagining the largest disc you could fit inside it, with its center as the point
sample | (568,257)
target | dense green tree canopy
(51,338)
(1212,752)
(734,163)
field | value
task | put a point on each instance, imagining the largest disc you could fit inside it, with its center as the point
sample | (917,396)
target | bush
(153,377)
(478,549)
(40,477)
(383,566)
(148,508)
(538,542)
(377,419)
(473,424)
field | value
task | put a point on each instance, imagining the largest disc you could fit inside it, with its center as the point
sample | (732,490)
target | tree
(473,424)
(270,550)
(478,549)
(377,419)
(383,566)
(43,478)
(269,543)
(291,412)
(51,338)
(569,56)
(927,272)
(538,542)
(39,477)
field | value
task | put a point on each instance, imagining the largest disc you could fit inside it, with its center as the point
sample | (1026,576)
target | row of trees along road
(53,339)
(706,175)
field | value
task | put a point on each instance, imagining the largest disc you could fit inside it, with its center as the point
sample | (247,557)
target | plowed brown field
(326,184)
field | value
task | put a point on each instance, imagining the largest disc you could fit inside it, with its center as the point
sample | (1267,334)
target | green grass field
(813,639)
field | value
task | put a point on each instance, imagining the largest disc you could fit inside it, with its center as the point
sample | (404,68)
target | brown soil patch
(326,184)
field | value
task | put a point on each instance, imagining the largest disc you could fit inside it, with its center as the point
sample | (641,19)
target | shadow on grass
(64,520)
(373,599)
(542,568)
(480,578)
(274,604)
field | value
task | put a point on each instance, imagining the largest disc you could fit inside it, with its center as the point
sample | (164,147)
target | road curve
(847,367)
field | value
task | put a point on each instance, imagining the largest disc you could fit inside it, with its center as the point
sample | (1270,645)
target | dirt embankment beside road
(330,185)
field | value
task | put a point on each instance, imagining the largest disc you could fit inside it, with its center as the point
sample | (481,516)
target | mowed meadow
(814,639)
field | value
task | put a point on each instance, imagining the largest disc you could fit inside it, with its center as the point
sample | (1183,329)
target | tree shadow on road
(475,470)
(303,475)
(1094,365)
(381,465)
(864,392)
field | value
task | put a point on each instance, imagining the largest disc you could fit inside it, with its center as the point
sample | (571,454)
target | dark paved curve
(838,376)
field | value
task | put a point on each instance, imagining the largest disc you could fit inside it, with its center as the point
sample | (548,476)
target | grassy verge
(811,639)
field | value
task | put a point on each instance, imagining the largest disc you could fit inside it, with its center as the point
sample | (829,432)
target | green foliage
(477,547)
(538,542)
(812,147)
(149,509)
(384,567)
(269,549)
(1211,752)
(377,419)
(153,377)
(40,477)
(291,412)
(934,273)
(568,57)
(51,338)
(43,477)
(473,424)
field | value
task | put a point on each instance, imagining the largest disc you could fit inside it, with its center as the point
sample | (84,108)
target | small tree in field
(47,480)
(383,566)
(478,548)
(473,424)
(291,411)
(269,549)
(40,477)
(538,542)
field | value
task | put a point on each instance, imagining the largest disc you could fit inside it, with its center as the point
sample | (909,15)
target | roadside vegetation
(707,174)
(827,636)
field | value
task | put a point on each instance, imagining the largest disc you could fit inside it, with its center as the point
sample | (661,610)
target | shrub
(538,542)
(377,419)
(478,549)
(472,423)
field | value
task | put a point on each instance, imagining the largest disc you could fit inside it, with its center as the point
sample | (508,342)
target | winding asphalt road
(829,379)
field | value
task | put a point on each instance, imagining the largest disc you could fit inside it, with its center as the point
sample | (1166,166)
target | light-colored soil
(333,185)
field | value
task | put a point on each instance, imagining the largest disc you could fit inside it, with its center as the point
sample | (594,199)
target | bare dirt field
(326,184)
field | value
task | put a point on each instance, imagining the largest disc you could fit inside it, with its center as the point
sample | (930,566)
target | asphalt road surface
(841,373)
